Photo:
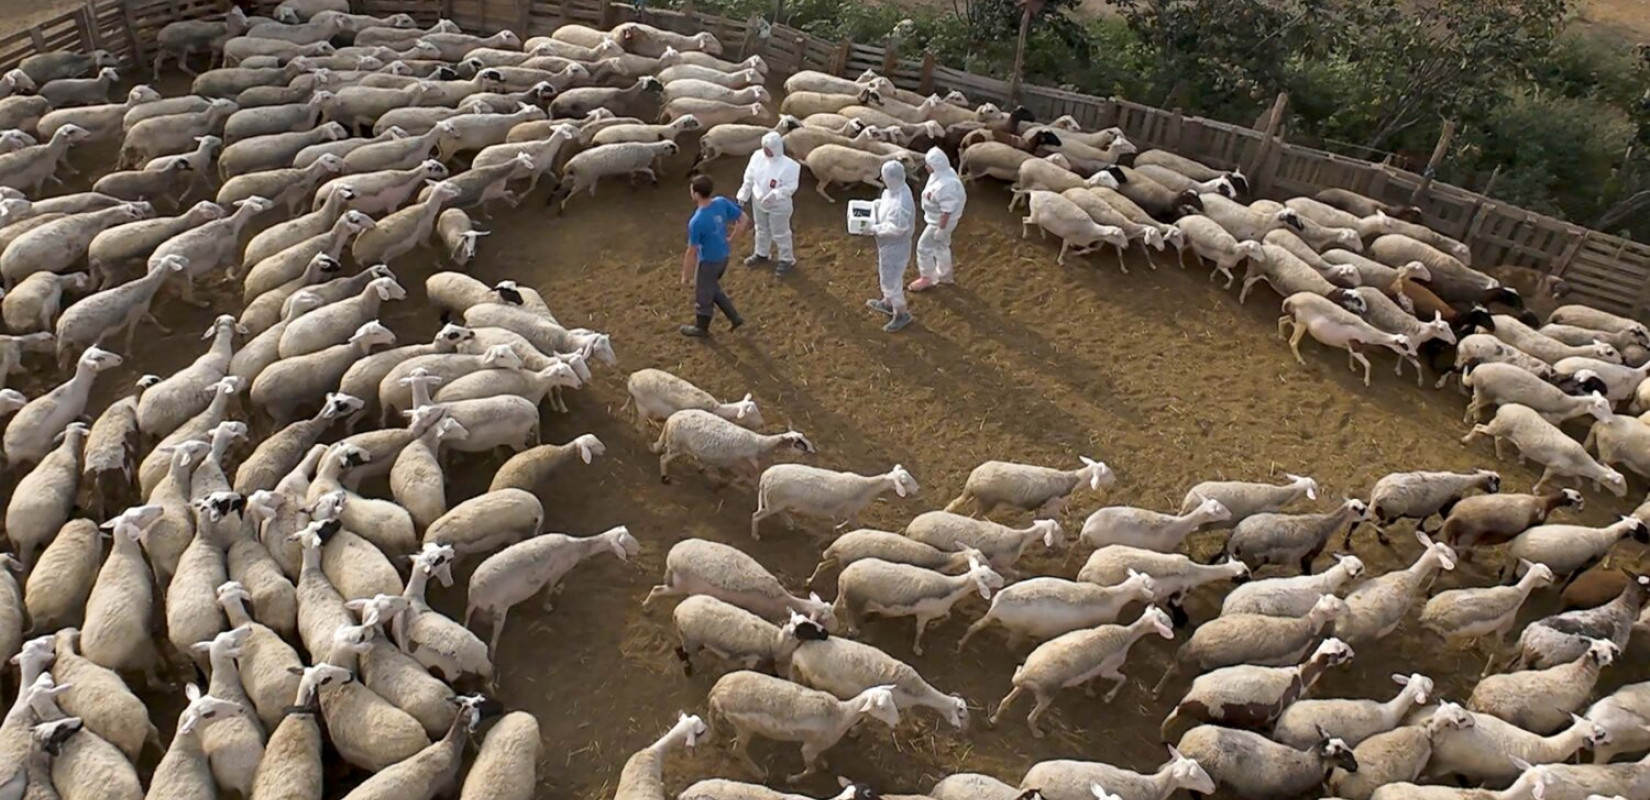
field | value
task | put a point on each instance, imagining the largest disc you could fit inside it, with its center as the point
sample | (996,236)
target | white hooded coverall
(944,194)
(893,220)
(770,180)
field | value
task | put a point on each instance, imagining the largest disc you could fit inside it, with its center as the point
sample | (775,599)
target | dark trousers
(707,291)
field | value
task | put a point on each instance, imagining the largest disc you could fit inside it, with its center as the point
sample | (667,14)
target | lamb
(1043,608)
(41,501)
(1001,544)
(1211,242)
(1174,575)
(897,590)
(1252,766)
(717,443)
(1377,606)
(1077,658)
(1150,530)
(1264,539)
(1253,698)
(1468,614)
(1482,753)
(754,704)
(34,428)
(1291,597)
(846,668)
(1543,701)
(1495,384)
(1067,220)
(736,635)
(1541,441)
(839,496)
(1043,491)
(696,566)
(1254,639)
(1070,780)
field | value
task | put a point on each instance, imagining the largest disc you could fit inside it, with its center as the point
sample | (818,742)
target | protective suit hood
(774,144)
(937,162)
(943,193)
(893,173)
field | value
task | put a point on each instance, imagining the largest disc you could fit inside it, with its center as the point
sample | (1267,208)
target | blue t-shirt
(708,229)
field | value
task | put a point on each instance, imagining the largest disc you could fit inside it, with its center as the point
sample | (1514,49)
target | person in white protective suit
(771,178)
(893,220)
(943,199)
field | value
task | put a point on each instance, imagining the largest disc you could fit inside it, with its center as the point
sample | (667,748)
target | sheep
(968,786)
(1541,441)
(735,635)
(440,644)
(577,102)
(506,767)
(1620,441)
(1480,753)
(1001,544)
(55,593)
(838,496)
(478,187)
(1564,637)
(101,121)
(1253,697)
(1077,231)
(1342,275)
(134,241)
(265,661)
(717,443)
(895,590)
(1077,658)
(1397,755)
(542,151)
(35,427)
(210,245)
(866,543)
(1252,766)
(1263,539)
(69,92)
(1211,242)
(1174,575)
(1043,491)
(696,566)
(274,150)
(293,383)
(1468,614)
(584,170)
(290,263)
(1485,348)
(1244,499)
(1351,202)
(105,313)
(832,163)
(118,610)
(1044,608)
(1070,780)
(486,522)
(42,500)
(1375,607)
(1150,237)
(519,571)
(432,769)
(1451,279)
(845,668)
(1622,714)
(658,394)
(172,133)
(184,771)
(1514,332)
(1570,550)
(1620,382)
(1542,701)
(32,306)
(1572,335)
(1055,173)
(1331,324)
(1420,495)
(1254,639)
(458,237)
(1291,597)
(1497,383)
(1139,527)
(366,730)
(996,159)
(754,704)
(59,245)
(416,479)
(284,187)
(170,404)
(1286,273)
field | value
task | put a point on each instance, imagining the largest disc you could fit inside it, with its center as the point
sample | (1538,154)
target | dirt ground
(1159,374)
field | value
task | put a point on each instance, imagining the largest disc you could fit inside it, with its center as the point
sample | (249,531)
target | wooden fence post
(839,62)
(524,17)
(1570,251)
(925,84)
(138,60)
(1257,168)
(1438,152)
(606,21)
(890,59)
(38,39)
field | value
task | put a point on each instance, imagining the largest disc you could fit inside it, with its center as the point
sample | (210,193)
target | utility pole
(1028,9)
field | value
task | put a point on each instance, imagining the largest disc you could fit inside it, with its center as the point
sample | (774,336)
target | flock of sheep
(302,599)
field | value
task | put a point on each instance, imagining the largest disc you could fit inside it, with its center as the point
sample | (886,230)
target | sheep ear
(1401,680)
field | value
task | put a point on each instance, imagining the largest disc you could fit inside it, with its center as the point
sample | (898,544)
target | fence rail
(1608,271)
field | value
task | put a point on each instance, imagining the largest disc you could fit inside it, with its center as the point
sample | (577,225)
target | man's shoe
(755,261)
(733,324)
(694,332)
(784,267)
(880,306)
(899,321)
(919,285)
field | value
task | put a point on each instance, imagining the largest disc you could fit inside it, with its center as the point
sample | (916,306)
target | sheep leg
(821,568)
(666,589)
(1362,360)
(1295,342)
(922,625)
(820,188)
(1115,675)
(1025,227)
(813,761)
(1043,702)
(979,625)
(762,513)
(664,466)
(1120,265)
(498,630)
(742,749)
(1167,674)
(1013,695)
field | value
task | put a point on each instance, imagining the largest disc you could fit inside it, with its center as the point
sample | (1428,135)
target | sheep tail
(958,504)
(659,446)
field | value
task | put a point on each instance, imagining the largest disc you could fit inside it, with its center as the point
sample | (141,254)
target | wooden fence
(1607,271)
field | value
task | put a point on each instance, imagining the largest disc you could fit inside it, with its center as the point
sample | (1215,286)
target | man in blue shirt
(708,248)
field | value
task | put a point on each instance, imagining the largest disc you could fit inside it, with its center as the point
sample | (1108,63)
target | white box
(859,216)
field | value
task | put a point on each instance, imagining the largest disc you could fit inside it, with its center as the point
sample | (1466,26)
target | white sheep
(506,767)
(34,428)
(1335,326)
(1071,780)
(735,635)
(118,610)
(902,590)
(1044,491)
(1496,383)
(1078,232)
(1569,550)
(1542,701)
(1251,765)
(1001,544)
(1252,697)
(585,170)
(717,443)
(1485,751)
(845,668)
(1539,440)
(696,566)
(1468,614)
(759,705)
(1043,608)
(1151,530)
(1294,596)
(1254,639)
(1077,658)
(435,641)
(658,394)
(838,496)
